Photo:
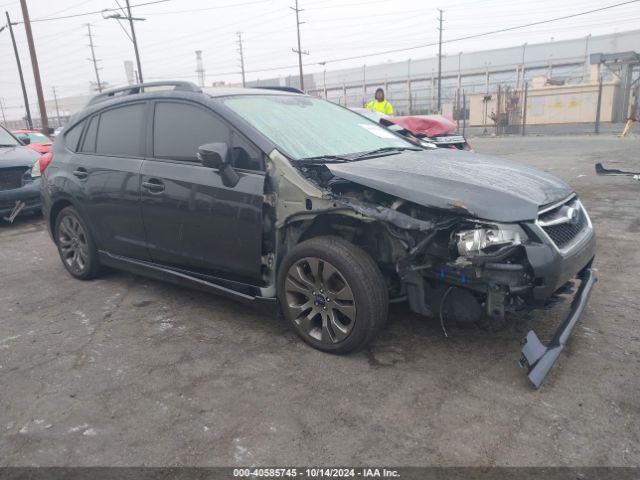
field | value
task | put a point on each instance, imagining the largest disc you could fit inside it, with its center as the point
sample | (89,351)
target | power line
(290,66)
(124,13)
(192,10)
(95,12)
(467,37)
(154,2)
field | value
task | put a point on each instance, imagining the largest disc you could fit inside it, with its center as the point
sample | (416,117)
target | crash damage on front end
(464,238)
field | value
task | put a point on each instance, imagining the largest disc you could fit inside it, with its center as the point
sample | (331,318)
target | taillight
(41,165)
(44,161)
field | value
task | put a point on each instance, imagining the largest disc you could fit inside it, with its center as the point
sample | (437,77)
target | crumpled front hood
(18,156)
(486,187)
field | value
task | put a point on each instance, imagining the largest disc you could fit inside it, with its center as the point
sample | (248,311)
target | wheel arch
(328,223)
(371,236)
(56,208)
(61,203)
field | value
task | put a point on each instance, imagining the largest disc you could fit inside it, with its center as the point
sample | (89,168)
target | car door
(192,220)
(107,170)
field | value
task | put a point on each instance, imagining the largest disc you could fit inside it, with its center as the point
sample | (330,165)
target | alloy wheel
(320,300)
(72,241)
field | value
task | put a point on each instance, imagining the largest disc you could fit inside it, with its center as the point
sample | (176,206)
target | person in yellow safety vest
(380,104)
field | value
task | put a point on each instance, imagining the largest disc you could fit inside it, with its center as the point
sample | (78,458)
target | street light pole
(24,89)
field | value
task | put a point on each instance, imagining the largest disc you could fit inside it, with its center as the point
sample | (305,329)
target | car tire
(332,294)
(75,244)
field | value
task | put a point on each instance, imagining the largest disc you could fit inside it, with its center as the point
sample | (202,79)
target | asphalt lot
(129,371)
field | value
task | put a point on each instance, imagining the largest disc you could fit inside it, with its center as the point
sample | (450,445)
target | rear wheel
(333,294)
(75,245)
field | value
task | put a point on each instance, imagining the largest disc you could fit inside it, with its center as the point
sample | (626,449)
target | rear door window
(120,131)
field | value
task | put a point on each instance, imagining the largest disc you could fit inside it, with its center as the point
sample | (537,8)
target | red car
(35,140)
(431,131)
(435,130)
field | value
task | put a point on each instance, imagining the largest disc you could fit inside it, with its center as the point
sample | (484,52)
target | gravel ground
(129,371)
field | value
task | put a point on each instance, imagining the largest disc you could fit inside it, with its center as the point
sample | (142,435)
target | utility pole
(241,51)
(324,78)
(586,59)
(36,70)
(599,104)
(299,50)
(24,89)
(132,37)
(135,41)
(55,99)
(93,58)
(4,119)
(440,64)
(199,68)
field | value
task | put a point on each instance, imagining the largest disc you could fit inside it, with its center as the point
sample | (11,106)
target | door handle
(81,173)
(154,186)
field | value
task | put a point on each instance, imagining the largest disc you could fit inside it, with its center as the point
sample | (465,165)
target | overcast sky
(333,29)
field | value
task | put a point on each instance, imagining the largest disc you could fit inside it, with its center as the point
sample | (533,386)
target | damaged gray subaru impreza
(302,206)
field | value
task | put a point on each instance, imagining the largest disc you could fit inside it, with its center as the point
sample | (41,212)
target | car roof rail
(284,89)
(139,88)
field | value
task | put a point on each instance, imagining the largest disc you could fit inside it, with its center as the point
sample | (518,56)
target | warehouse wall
(555,104)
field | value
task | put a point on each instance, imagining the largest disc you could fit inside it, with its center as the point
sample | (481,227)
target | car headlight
(486,240)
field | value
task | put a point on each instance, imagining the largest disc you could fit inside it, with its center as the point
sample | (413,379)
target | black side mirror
(24,139)
(213,155)
(216,156)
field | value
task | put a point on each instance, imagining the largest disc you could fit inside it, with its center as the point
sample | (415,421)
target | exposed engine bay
(445,265)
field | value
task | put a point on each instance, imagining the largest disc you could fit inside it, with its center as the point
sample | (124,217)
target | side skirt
(158,272)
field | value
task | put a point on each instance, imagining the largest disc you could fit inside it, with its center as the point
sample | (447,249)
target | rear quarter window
(72,137)
(89,142)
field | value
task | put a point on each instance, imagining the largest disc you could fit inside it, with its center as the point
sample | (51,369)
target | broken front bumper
(539,358)
(28,194)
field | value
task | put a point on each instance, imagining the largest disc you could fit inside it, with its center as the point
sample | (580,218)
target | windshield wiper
(385,150)
(8,145)
(324,159)
(357,156)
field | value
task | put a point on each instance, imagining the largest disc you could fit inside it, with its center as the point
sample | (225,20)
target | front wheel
(333,294)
